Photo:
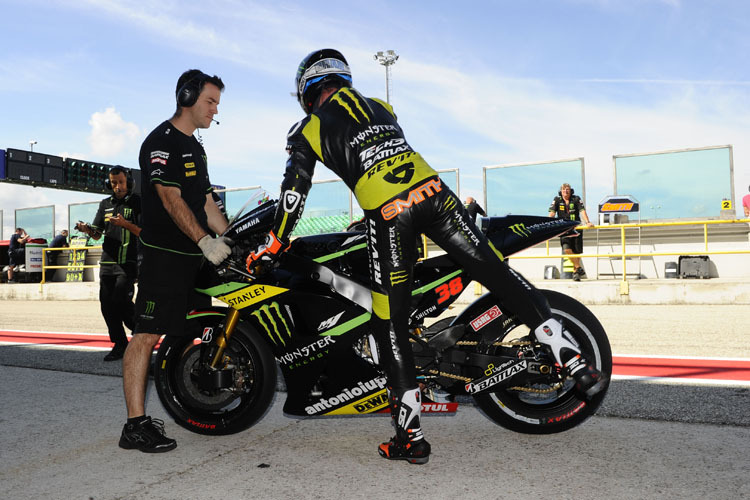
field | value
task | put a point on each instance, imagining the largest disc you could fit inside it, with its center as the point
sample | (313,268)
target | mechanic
(117,219)
(360,140)
(569,206)
(180,218)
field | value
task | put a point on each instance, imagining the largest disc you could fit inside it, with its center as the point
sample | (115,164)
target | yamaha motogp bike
(310,314)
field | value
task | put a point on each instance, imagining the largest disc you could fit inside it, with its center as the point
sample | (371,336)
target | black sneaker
(589,380)
(146,436)
(576,276)
(414,452)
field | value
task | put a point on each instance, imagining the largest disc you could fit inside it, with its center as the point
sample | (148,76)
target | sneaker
(576,276)
(146,436)
(589,380)
(414,452)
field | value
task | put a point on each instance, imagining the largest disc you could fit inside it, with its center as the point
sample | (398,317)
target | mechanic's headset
(191,89)
(572,192)
(129,181)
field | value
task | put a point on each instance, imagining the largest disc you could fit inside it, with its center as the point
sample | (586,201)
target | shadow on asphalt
(640,399)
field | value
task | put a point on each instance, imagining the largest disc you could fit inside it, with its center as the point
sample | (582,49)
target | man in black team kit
(118,219)
(179,220)
(402,196)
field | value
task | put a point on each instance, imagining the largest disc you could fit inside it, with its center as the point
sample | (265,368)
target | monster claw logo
(150,306)
(520,230)
(398,277)
(269,316)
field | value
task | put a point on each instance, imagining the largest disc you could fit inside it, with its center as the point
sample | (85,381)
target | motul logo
(439,407)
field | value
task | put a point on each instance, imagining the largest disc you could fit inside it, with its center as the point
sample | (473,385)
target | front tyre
(557,406)
(219,411)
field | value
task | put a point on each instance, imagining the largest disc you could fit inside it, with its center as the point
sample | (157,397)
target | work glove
(265,255)
(215,249)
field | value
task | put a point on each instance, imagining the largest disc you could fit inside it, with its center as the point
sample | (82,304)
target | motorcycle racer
(360,140)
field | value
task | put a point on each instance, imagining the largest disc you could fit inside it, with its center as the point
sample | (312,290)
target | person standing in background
(746,203)
(474,208)
(118,220)
(567,205)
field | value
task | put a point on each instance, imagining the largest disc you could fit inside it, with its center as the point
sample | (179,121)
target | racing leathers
(361,141)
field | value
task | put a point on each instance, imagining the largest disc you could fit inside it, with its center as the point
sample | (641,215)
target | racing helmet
(317,69)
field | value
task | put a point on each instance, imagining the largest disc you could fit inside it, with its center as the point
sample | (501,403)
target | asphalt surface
(62,412)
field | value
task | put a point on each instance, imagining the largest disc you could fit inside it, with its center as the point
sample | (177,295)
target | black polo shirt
(120,245)
(171,158)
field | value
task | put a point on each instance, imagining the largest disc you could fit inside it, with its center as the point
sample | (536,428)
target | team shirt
(171,158)
(120,245)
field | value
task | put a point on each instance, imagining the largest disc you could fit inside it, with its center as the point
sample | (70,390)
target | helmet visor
(320,69)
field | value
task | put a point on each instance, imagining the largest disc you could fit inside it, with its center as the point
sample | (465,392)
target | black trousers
(116,287)
(433,209)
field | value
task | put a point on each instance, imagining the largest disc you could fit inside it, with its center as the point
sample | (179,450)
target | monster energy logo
(150,306)
(126,212)
(269,316)
(399,277)
(520,230)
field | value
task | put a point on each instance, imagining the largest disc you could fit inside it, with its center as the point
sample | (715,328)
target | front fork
(216,349)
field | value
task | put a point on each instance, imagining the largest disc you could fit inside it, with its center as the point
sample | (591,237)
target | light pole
(387,59)
(31,145)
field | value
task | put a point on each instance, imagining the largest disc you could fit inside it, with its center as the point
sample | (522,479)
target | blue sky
(477,83)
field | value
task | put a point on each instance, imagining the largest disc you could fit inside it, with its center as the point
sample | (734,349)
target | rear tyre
(222,411)
(549,411)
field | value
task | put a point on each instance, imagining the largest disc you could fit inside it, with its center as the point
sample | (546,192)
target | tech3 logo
(270,317)
(520,230)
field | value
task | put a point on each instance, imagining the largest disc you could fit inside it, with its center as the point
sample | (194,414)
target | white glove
(215,249)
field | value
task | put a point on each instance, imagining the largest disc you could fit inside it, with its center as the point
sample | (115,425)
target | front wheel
(227,410)
(553,405)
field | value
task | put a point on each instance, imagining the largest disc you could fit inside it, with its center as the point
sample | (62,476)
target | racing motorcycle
(310,316)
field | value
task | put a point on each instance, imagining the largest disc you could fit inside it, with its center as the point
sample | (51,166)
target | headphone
(191,89)
(129,181)
(572,192)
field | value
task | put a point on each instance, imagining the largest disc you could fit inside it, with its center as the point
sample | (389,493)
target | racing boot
(589,380)
(409,443)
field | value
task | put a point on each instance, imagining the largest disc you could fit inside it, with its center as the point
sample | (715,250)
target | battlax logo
(520,230)
(273,322)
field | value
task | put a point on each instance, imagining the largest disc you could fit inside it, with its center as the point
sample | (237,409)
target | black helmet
(316,69)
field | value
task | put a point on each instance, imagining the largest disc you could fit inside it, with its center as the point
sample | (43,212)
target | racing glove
(265,255)
(215,249)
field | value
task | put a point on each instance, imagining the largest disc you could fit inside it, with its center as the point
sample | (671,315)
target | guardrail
(67,266)
(624,254)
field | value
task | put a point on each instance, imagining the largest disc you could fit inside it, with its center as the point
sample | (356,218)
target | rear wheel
(216,411)
(552,404)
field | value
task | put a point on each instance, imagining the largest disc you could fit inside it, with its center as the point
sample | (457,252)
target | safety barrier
(624,254)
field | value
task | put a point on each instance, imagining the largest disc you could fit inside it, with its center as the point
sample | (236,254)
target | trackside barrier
(624,254)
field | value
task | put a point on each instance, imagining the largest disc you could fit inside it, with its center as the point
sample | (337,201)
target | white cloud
(111,134)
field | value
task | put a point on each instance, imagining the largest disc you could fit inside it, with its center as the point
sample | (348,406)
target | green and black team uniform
(170,263)
(118,265)
(569,211)
(360,140)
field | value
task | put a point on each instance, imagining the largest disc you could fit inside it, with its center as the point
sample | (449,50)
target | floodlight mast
(387,59)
